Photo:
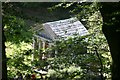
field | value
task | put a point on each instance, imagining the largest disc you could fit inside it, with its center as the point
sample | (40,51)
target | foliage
(15,27)
(73,52)
(76,58)
(99,59)
(65,74)
(18,58)
(16,30)
(17,33)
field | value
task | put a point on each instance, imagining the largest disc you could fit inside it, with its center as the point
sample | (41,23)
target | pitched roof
(63,28)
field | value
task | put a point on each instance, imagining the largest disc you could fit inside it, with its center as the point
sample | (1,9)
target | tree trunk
(4,60)
(111,30)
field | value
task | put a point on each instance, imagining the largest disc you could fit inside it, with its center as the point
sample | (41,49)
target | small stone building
(52,31)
